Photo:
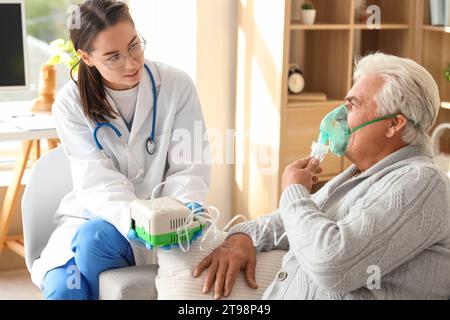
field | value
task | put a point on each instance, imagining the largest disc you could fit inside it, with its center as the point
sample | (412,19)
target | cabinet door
(301,130)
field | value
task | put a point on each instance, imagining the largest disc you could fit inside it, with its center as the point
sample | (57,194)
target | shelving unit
(325,51)
(435,56)
(324,26)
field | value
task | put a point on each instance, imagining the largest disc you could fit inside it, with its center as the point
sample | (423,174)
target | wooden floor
(17,285)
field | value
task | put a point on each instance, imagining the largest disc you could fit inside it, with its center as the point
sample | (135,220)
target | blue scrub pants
(98,246)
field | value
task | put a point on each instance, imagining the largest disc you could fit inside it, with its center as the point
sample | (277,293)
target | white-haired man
(387,216)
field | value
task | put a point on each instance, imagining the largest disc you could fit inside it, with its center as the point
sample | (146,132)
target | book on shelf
(308,96)
(447,13)
(437,12)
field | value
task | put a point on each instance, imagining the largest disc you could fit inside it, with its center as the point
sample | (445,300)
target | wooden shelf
(384,26)
(435,58)
(394,11)
(389,41)
(325,59)
(307,96)
(445,105)
(325,52)
(302,104)
(330,26)
(436,28)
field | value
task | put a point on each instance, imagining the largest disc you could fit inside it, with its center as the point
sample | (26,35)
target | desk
(31,144)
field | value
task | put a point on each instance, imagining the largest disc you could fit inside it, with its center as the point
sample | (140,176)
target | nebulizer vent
(319,150)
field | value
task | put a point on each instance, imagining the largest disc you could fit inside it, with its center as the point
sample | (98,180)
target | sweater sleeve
(383,229)
(266,232)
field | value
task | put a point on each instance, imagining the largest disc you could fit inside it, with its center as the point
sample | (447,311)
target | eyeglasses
(135,51)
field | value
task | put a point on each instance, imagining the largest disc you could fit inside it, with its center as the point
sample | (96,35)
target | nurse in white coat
(114,85)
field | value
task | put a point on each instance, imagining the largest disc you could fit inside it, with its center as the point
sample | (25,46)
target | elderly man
(380,230)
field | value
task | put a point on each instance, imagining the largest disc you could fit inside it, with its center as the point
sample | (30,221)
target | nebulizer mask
(335,133)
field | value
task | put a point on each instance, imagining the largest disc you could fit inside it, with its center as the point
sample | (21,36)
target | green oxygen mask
(335,133)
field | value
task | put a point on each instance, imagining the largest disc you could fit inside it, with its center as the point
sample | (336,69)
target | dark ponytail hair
(95,17)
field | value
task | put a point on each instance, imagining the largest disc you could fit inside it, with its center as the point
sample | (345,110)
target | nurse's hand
(302,172)
(132,237)
(224,264)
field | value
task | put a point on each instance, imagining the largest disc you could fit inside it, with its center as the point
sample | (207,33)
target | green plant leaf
(63,52)
(307,5)
(54,60)
(447,73)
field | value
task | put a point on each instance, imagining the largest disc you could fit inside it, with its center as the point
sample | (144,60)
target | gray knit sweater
(384,234)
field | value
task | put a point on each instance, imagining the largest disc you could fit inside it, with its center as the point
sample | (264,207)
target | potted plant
(447,73)
(308,13)
(64,52)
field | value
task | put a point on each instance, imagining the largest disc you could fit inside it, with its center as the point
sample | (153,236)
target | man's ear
(85,57)
(396,125)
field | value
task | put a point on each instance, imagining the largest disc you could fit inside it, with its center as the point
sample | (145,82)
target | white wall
(216,82)
(199,37)
(170,28)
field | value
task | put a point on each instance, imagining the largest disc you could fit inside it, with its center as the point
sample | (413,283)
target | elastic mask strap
(382,119)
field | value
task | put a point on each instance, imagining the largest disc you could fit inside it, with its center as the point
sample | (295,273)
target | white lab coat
(100,186)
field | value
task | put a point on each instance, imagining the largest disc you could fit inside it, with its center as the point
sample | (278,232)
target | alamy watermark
(74,19)
(374,279)
(374,20)
(198,145)
(73,281)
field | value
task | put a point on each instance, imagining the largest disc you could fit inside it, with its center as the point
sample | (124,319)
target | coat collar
(144,107)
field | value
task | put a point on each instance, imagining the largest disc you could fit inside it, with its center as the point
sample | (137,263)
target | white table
(31,141)
(11,133)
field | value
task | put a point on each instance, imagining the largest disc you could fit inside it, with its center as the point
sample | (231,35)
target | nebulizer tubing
(276,240)
(189,219)
(183,229)
(204,215)
(230,223)
(140,171)
(152,197)
(437,133)
(127,148)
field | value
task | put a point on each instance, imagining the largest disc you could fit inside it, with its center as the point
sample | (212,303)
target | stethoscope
(150,143)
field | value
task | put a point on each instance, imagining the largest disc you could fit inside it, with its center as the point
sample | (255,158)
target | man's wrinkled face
(362,107)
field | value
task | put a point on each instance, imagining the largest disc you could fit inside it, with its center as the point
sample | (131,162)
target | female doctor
(115,123)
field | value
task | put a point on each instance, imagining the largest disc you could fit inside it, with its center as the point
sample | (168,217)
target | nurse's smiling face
(108,46)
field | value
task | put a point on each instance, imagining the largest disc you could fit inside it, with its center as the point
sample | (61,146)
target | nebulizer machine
(168,222)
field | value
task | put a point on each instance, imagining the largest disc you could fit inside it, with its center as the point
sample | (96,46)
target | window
(46,21)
